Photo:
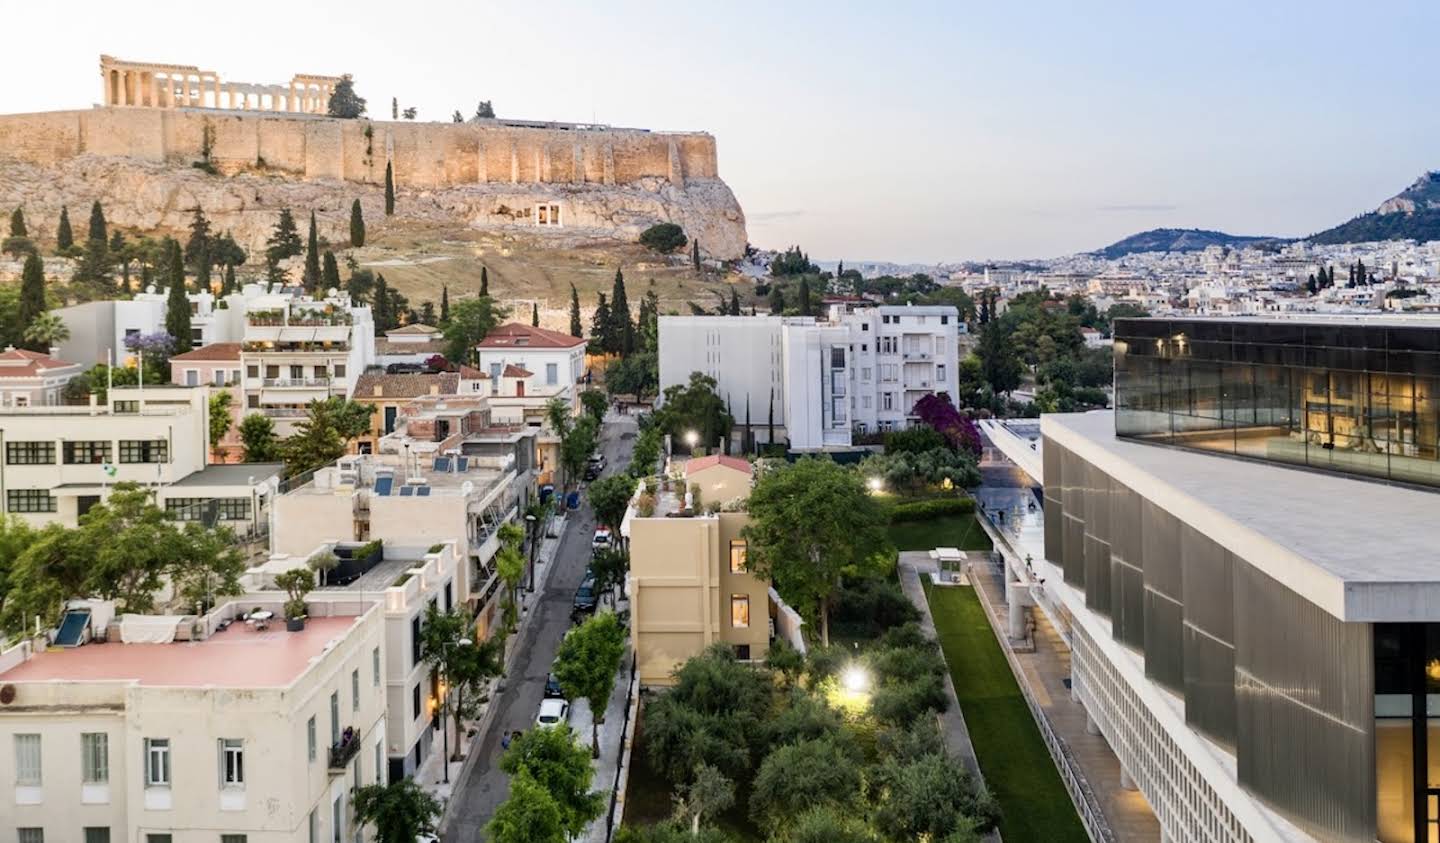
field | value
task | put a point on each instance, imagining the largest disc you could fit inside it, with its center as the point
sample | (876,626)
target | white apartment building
(99,328)
(196,729)
(537,364)
(861,369)
(60,461)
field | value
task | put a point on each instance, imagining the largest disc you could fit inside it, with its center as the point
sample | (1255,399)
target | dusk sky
(877,131)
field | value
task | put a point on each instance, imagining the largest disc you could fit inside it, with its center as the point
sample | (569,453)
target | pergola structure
(151,85)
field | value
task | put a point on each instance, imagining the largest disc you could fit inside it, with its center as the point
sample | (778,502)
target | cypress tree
(380,310)
(94,269)
(484,281)
(17,224)
(805,297)
(227,285)
(98,229)
(535,314)
(389,190)
(32,291)
(357,225)
(444,303)
(330,272)
(64,237)
(199,237)
(777,301)
(177,305)
(600,325)
(622,327)
(576,330)
(695,254)
(734,302)
(311,278)
(202,271)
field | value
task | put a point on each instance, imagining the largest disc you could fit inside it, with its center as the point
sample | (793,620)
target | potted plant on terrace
(297,582)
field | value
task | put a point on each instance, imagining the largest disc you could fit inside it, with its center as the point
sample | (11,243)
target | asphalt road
(487,786)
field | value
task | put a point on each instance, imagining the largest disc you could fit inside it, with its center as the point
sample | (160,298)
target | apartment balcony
(342,753)
(283,412)
(919,384)
(919,356)
(296,383)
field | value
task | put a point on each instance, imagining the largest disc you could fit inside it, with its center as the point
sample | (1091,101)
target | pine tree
(177,305)
(32,291)
(695,254)
(227,286)
(119,253)
(357,225)
(202,272)
(576,330)
(734,302)
(94,268)
(600,326)
(394,108)
(98,230)
(444,304)
(311,278)
(284,239)
(535,314)
(622,327)
(389,190)
(805,297)
(777,301)
(427,313)
(484,281)
(17,224)
(330,272)
(64,237)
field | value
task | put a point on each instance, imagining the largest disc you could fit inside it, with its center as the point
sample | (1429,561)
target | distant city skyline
(918,132)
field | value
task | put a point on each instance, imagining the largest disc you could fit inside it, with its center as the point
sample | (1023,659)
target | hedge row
(934,508)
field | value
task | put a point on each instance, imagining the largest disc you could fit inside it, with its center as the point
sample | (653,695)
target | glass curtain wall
(1407,733)
(1356,399)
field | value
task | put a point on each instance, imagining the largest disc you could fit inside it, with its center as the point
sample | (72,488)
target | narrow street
(487,786)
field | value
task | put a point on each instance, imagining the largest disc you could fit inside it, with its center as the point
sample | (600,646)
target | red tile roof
(528,336)
(404,386)
(470,373)
(19,363)
(221,351)
(702,463)
(513,371)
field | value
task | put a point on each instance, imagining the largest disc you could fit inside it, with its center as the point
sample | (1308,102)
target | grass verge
(1018,768)
(958,531)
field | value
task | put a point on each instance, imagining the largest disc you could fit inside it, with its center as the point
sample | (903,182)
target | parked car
(585,598)
(602,538)
(552,688)
(553,712)
(404,369)
(594,467)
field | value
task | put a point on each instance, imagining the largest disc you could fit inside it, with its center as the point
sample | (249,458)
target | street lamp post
(692,439)
(445,710)
(530,522)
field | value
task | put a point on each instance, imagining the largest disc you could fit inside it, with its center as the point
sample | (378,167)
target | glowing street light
(856,680)
(876,485)
(692,438)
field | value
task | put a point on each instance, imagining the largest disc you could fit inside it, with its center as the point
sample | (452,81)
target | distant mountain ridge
(1177,240)
(1411,214)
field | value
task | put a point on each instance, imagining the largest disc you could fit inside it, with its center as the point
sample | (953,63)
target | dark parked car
(404,369)
(594,467)
(584,598)
(552,688)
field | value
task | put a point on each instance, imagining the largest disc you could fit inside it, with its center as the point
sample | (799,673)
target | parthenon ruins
(130,83)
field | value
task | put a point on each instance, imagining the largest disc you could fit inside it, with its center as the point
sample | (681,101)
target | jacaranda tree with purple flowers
(938,412)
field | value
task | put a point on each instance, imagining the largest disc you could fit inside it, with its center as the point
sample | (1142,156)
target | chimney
(55,351)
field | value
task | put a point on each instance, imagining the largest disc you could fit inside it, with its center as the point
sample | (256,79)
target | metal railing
(283,412)
(283,382)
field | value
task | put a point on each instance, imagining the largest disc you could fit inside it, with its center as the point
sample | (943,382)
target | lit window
(740,611)
(737,557)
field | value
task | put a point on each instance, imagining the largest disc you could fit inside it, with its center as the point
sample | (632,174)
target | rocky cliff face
(161,198)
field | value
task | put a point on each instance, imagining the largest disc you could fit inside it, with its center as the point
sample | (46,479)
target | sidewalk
(610,745)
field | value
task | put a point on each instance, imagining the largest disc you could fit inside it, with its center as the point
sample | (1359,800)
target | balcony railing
(296,382)
(919,355)
(342,753)
(283,412)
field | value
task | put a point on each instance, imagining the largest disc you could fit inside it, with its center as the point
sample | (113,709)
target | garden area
(1013,757)
(937,522)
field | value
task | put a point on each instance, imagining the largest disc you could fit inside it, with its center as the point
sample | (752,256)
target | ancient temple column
(189,92)
(152,90)
(290,104)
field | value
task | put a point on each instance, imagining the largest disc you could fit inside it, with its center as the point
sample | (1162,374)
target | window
(339,370)
(740,611)
(737,557)
(29,500)
(217,377)
(192,377)
(94,834)
(865,401)
(837,357)
(415,702)
(157,762)
(157,838)
(552,374)
(196,509)
(95,757)
(865,326)
(414,640)
(379,763)
(297,373)
(232,762)
(940,372)
(334,718)
(865,373)
(27,760)
(887,400)
(252,371)
(30,835)
(144,450)
(337,819)
(127,406)
(449,597)
(86,453)
(494,371)
(375,667)
(30,453)
(232,838)
(547,215)
(310,737)
(742,652)
(944,320)
(355,689)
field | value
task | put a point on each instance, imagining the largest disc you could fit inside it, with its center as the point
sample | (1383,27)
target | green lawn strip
(958,531)
(1017,766)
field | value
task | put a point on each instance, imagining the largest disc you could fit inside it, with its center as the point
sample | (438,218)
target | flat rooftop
(232,474)
(238,657)
(1361,550)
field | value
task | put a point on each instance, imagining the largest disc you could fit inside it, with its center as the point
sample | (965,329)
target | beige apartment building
(688,584)
(236,734)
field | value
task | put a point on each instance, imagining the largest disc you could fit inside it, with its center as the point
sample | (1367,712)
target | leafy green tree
(311,277)
(510,567)
(586,665)
(257,434)
(713,715)
(64,237)
(556,762)
(529,815)
(777,301)
(447,642)
(284,242)
(665,237)
(827,824)
(202,273)
(695,254)
(219,417)
(94,269)
(576,330)
(484,111)
(321,437)
(647,324)
(645,454)
(594,404)
(177,302)
(694,406)
(609,567)
(811,522)
(709,793)
(805,305)
(389,189)
(1000,363)
(792,262)
(637,375)
(17,224)
(211,566)
(471,320)
(132,545)
(357,223)
(929,798)
(344,102)
(329,272)
(199,242)
(49,568)
(400,811)
(670,832)
(610,497)
(46,331)
(800,776)
(734,302)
